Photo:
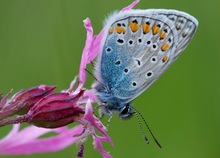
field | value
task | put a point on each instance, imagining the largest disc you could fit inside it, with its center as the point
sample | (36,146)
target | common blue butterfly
(138,46)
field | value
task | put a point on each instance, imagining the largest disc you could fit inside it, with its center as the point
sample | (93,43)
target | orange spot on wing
(165,58)
(146,28)
(165,46)
(178,27)
(155,29)
(163,35)
(120,29)
(111,30)
(134,26)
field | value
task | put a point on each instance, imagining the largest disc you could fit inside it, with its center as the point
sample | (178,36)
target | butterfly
(138,46)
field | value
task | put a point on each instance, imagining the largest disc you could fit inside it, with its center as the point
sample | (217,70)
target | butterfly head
(124,110)
(109,104)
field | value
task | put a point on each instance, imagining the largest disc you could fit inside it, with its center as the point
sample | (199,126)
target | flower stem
(14,120)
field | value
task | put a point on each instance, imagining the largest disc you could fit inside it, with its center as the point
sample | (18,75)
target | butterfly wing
(139,46)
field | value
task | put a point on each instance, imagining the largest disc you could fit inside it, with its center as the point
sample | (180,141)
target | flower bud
(22,101)
(56,110)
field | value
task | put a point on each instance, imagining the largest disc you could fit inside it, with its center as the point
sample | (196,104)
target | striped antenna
(142,131)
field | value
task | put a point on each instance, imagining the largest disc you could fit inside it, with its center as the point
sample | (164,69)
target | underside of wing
(140,45)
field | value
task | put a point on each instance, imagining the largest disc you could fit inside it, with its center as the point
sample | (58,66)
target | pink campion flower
(27,141)
(53,111)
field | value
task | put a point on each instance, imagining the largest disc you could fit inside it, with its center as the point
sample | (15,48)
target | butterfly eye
(125,111)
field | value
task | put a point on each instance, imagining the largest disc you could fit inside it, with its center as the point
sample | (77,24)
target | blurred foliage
(41,43)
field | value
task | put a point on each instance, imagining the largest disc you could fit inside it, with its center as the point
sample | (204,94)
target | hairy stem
(14,120)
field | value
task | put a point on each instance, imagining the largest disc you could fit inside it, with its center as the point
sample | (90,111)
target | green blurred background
(41,42)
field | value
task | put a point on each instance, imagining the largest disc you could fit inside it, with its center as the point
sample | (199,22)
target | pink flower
(52,112)
(27,141)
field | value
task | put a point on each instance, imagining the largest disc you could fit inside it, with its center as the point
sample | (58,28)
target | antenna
(94,77)
(91,62)
(93,65)
(91,74)
(142,131)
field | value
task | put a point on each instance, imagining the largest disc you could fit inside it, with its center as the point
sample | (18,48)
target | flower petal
(96,46)
(130,6)
(90,94)
(98,144)
(85,59)
(101,128)
(27,141)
